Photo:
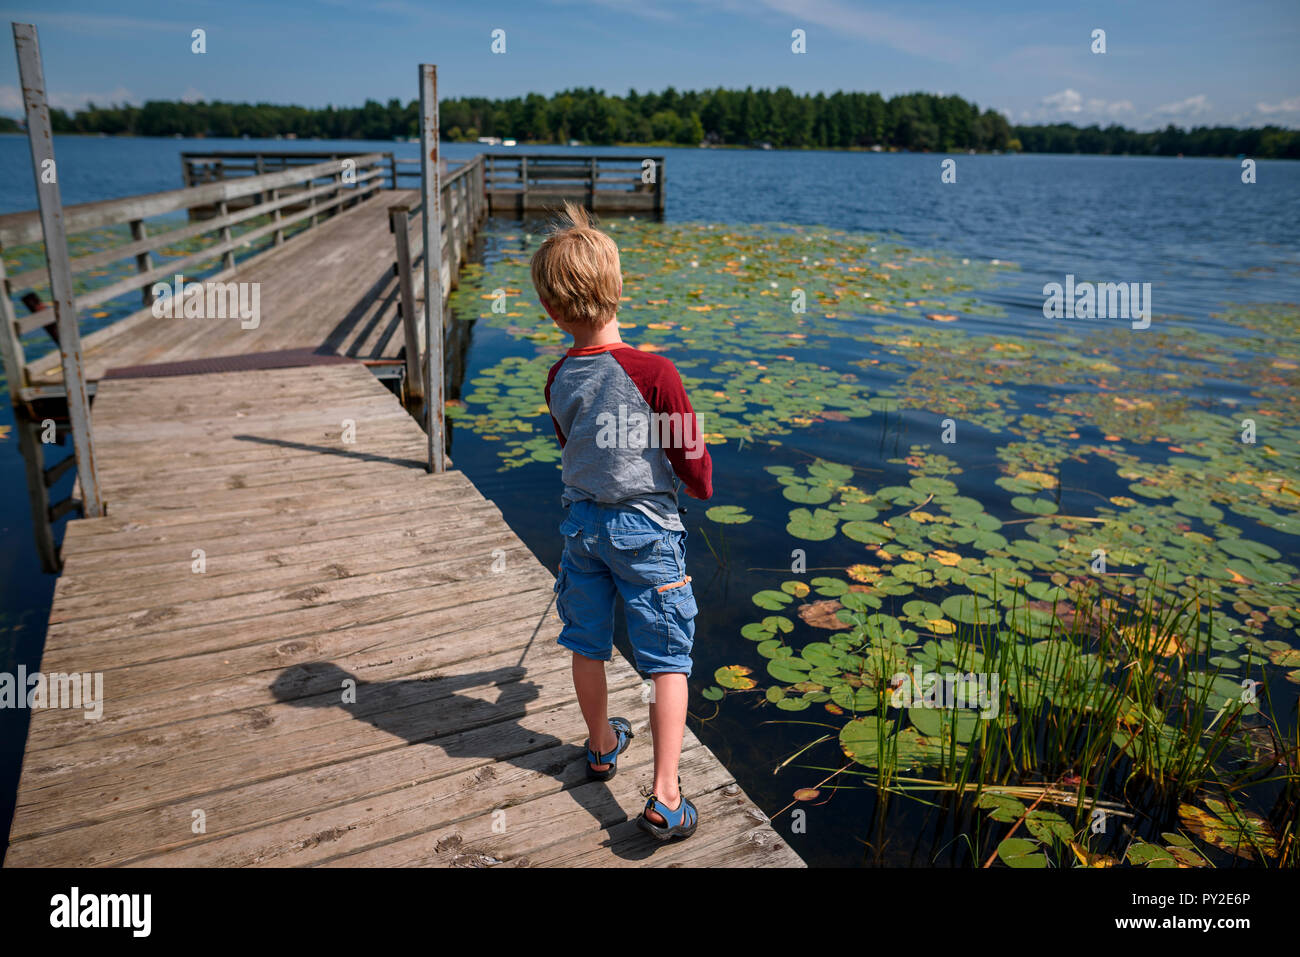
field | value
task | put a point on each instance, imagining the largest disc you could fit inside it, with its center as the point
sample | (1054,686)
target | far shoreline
(523,144)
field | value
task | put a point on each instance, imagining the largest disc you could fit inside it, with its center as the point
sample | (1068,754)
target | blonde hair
(576,270)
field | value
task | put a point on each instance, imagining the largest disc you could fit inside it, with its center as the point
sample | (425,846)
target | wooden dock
(313,651)
(324,562)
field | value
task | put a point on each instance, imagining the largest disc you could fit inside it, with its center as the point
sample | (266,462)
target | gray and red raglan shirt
(625,426)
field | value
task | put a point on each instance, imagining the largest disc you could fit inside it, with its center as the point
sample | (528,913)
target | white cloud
(1067,101)
(1114,109)
(1071,105)
(1286,106)
(191,95)
(1197,105)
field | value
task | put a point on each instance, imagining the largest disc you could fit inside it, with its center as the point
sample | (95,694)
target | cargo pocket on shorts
(679,610)
(635,556)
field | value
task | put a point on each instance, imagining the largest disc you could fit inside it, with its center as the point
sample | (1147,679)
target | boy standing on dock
(625,427)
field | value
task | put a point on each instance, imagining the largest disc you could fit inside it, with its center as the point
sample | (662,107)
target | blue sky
(1189,62)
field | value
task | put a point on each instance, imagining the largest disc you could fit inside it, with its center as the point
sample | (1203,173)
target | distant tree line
(1269,142)
(911,121)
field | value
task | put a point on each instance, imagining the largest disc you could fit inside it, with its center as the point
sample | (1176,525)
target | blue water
(1190,227)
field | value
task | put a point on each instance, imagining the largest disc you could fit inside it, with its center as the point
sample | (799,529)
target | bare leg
(668,726)
(593,699)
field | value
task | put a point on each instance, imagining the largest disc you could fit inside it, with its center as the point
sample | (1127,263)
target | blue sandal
(624,731)
(679,823)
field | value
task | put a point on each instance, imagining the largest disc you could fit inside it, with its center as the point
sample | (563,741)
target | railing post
(278,238)
(466,214)
(228,257)
(399,223)
(523,176)
(455,225)
(41,139)
(261,197)
(591,186)
(482,190)
(143,261)
(432,207)
(11,346)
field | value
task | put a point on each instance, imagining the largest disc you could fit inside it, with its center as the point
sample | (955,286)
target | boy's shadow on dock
(417,709)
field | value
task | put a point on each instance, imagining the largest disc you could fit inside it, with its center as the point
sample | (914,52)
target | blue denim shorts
(610,552)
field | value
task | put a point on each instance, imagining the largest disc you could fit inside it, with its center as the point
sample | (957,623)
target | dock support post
(399,222)
(38,492)
(11,347)
(40,136)
(432,206)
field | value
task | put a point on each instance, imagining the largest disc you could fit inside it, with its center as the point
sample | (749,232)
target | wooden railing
(199,167)
(463,207)
(298,194)
(523,181)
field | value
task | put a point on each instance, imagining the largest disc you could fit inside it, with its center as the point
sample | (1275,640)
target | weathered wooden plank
(249,804)
(344,554)
(181,761)
(376,554)
(417,644)
(585,812)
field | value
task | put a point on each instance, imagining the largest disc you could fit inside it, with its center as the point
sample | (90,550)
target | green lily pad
(1020,853)
(728,515)
(771,600)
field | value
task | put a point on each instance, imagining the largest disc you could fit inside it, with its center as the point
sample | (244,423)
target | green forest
(781,118)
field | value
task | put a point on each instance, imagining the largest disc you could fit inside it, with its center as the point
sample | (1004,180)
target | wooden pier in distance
(313,651)
(524,182)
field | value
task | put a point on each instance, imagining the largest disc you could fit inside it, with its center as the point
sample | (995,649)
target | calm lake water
(1188,227)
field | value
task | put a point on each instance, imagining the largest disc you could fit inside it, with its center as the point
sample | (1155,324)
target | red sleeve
(549,379)
(661,387)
